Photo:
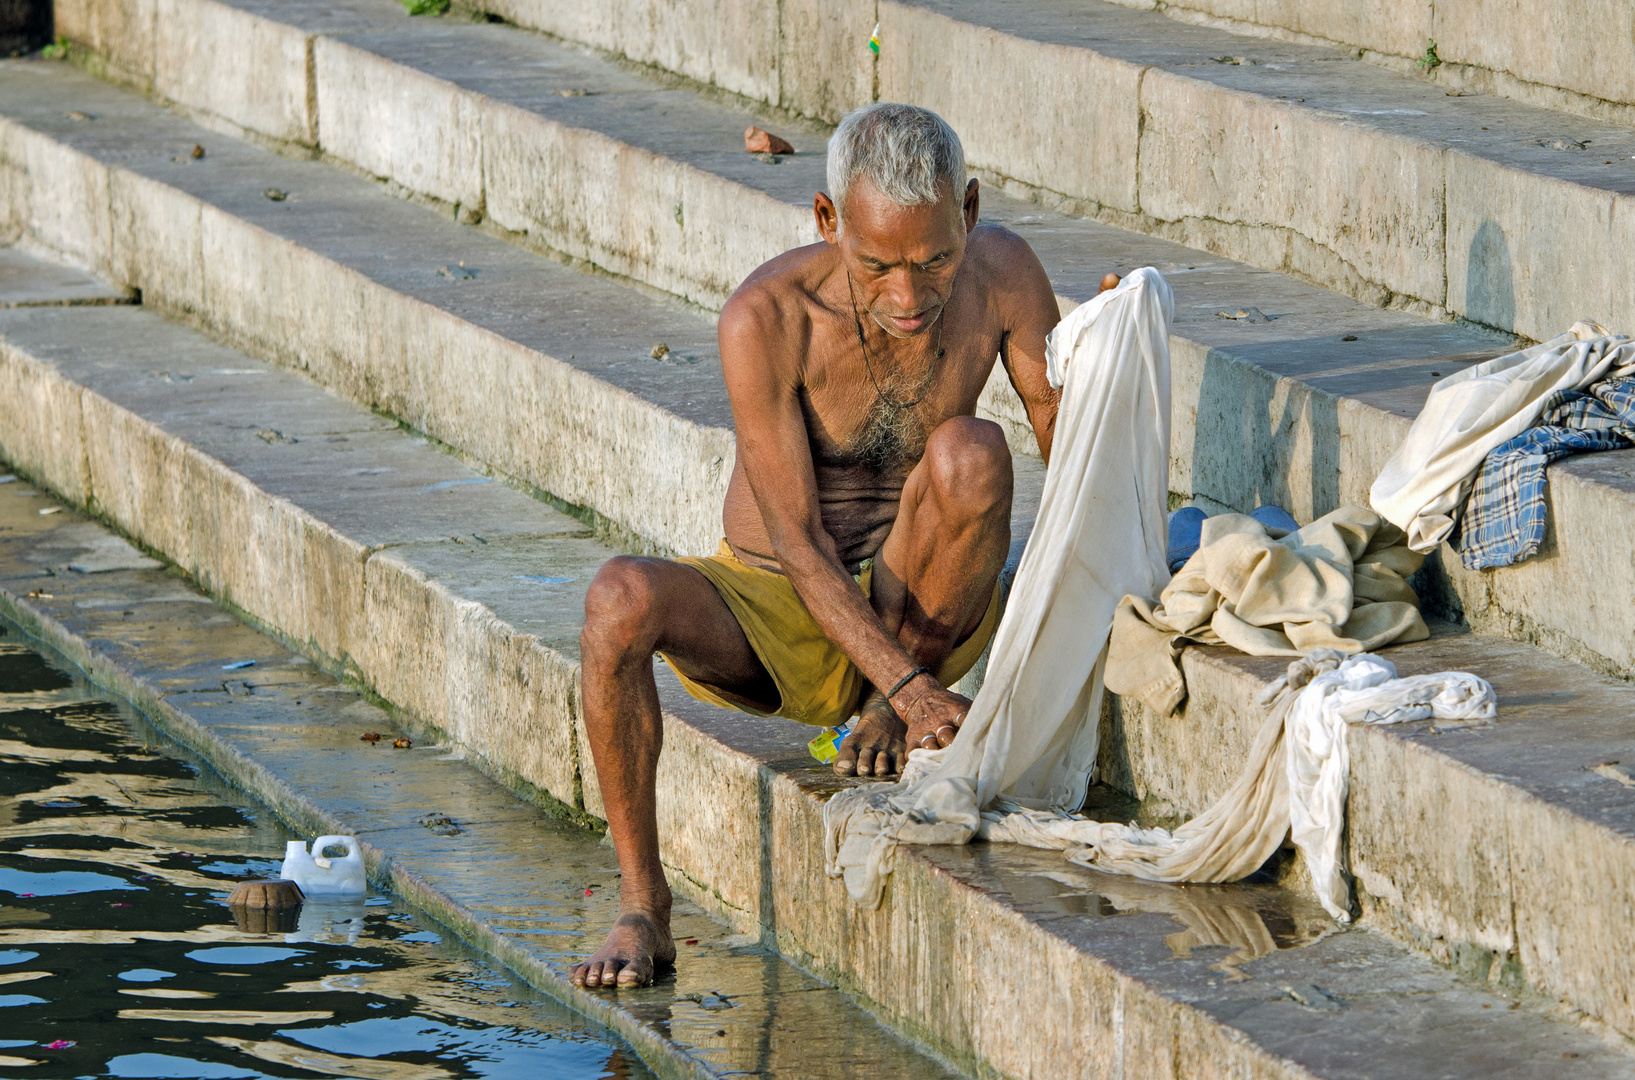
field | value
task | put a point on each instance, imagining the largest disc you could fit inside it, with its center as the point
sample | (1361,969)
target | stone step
(352,229)
(1563,56)
(535,891)
(1371,181)
(1285,411)
(252,478)
(1507,851)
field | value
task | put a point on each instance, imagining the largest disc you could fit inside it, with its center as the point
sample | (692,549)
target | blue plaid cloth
(1504,516)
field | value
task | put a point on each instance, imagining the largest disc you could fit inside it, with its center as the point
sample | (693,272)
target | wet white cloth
(1294,783)
(1363,689)
(1424,485)
(1100,534)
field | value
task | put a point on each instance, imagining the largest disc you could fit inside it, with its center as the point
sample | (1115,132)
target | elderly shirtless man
(868,514)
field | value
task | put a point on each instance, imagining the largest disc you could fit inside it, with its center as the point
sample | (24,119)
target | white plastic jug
(321,876)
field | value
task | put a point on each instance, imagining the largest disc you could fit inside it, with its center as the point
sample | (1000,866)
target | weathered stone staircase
(473,236)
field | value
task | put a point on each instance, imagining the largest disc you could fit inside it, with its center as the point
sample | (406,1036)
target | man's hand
(934,713)
(875,746)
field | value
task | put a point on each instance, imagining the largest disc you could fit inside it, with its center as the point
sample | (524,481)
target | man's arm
(757,359)
(1031,313)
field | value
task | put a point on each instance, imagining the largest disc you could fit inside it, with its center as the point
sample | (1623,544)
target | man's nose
(904,291)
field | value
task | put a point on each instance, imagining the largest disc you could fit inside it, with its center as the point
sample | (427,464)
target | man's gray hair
(903,150)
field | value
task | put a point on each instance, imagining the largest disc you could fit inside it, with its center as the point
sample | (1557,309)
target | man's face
(902,258)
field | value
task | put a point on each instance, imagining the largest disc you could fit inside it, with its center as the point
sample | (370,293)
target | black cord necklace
(930,375)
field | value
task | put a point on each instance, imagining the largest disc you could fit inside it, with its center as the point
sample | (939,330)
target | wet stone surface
(531,888)
(118,957)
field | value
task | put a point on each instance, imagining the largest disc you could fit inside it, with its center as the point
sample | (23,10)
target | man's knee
(622,607)
(969,464)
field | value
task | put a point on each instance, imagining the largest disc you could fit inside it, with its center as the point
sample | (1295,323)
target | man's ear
(973,205)
(828,218)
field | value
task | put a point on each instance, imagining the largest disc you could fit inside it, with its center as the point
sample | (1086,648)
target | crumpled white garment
(1423,487)
(1100,534)
(1294,783)
(1362,689)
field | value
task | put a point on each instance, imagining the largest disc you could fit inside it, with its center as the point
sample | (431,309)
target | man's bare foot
(636,947)
(876,745)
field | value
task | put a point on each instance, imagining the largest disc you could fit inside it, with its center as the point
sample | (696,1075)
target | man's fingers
(846,760)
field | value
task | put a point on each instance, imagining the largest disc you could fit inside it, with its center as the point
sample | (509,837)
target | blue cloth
(1186,530)
(1504,516)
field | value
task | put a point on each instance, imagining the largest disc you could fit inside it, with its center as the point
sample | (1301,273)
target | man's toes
(578,976)
(636,975)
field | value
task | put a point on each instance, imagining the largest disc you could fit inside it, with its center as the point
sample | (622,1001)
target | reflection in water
(118,956)
(1252,921)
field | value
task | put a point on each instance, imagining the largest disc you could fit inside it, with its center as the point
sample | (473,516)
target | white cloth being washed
(1424,485)
(1100,533)
(1294,783)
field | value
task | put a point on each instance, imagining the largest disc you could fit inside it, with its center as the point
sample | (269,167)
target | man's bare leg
(634,608)
(935,573)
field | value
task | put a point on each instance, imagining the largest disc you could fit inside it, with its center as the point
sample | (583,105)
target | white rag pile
(1100,534)
(1423,487)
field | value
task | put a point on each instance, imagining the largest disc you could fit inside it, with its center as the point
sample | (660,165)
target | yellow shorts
(817,684)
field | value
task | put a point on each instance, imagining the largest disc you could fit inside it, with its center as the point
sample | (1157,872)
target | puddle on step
(117,957)
(1249,919)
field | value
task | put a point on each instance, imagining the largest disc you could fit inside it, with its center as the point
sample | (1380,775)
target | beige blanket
(1338,583)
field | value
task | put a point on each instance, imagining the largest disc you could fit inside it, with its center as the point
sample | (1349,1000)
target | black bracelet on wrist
(905,680)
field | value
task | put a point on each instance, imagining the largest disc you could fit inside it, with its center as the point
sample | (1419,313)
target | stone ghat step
(458,601)
(807,55)
(1370,181)
(534,890)
(1286,411)
(1007,961)
(343,281)
(1507,850)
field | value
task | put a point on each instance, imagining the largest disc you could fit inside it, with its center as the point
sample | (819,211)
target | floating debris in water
(403,744)
(238,665)
(60,803)
(51,510)
(544,579)
(38,594)
(440,824)
(369,737)
(276,194)
(59,1044)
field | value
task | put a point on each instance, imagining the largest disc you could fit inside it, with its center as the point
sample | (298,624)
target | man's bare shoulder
(1007,264)
(770,315)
